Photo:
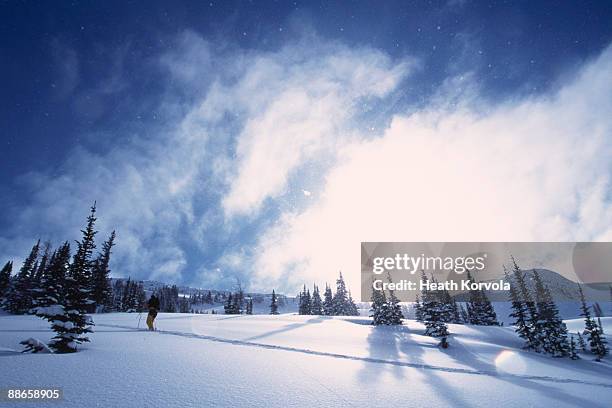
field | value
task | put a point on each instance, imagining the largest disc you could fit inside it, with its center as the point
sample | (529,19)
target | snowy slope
(301,361)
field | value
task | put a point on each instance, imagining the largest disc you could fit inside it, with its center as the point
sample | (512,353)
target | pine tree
(581,342)
(340,304)
(328,301)
(37,282)
(5,280)
(72,327)
(533,342)
(572,349)
(378,311)
(352,307)
(317,305)
(519,310)
(273,304)
(595,336)
(434,324)
(229,305)
(101,290)
(394,310)
(236,305)
(249,306)
(19,298)
(305,302)
(550,328)
(480,308)
(50,306)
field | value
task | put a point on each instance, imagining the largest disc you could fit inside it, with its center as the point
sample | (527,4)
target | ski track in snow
(365,359)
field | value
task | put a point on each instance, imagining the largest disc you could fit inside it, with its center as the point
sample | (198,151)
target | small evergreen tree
(5,280)
(328,301)
(352,307)
(481,311)
(433,314)
(340,304)
(273,304)
(101,290)
(249,306)
(305,302)
(317,305)
(595,336)
(550,328)
(581,342)
(19,298)
(38,285)
(378,311)
(519,310)
(73,325)
(394,310)
(532,340)
(50,306)
(229,305)
(572,349)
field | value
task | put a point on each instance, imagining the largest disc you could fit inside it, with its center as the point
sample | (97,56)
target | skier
(153,305)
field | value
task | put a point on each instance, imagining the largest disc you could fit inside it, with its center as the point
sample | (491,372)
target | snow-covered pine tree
(595,337)
(340,306)
(229,304)
(5,280)
(394,309)
(236,306)
(305,305)
(38,287)
(581,342)
(450,310)
(273,304)
(572,349)
(480,308)
(532,313)
(72,327)
(519,310)
(316,307)
(19,297)
(101,290)
(433,313)
(378,311)
(352,307)
(550,329)
(249,306)
(50,307)
(328,301)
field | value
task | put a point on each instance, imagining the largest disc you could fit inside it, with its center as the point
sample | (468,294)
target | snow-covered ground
(297,361)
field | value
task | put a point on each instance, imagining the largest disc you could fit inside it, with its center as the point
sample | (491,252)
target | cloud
(536,168)
(272,166)
(299,105)
(171,187)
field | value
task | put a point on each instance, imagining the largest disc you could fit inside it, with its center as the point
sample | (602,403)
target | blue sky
(264,140)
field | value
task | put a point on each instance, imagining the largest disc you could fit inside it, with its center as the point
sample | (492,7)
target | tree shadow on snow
(464,356)
(289,327)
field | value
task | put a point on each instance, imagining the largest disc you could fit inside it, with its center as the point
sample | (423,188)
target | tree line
(535,315)
(340,303)
(538,323)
